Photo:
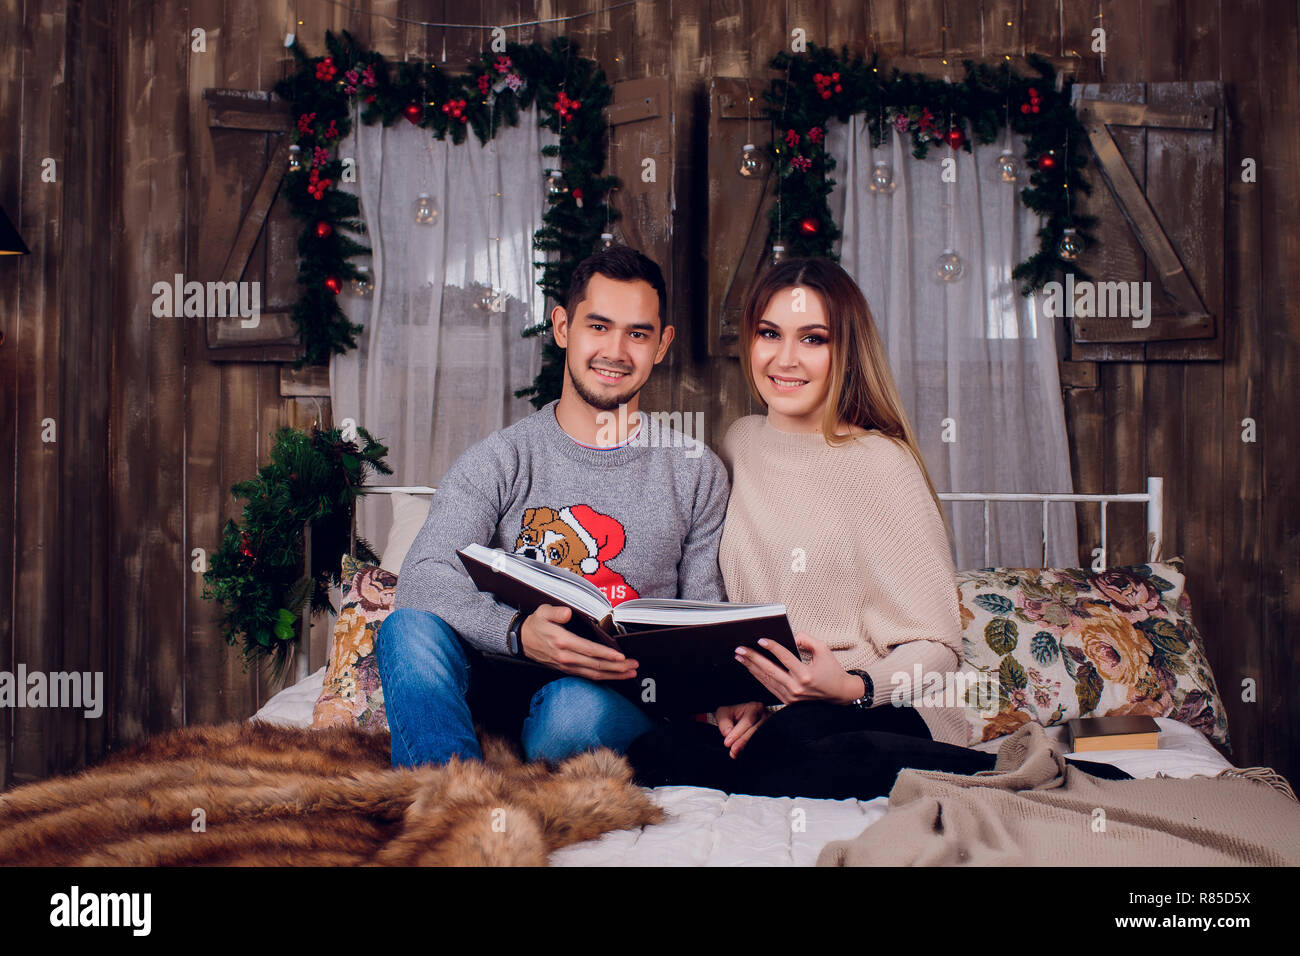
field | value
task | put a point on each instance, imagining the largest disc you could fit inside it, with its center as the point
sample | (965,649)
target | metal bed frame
(1153,498)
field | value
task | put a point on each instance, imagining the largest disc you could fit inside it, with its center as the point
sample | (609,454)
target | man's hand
(738,723)
(546,641)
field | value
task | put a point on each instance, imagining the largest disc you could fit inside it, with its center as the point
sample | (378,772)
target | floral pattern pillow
(352,696)
(1065,643)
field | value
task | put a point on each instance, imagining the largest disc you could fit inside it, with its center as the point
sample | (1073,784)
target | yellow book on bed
(1113,733)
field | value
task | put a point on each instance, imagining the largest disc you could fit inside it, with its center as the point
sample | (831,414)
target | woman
(833,514)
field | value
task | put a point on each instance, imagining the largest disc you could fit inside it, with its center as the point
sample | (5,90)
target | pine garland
(258,573)
(820,85)
(571,94)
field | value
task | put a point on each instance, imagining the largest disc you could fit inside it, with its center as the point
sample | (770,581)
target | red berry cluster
(502,64)
(317,186)
(827,84)
(365,78)
(816,135)
(304,123)
(455,109)
(326,69)
(792,138)
(484,82)
(332,132)
(1032,105)
(801,163)
(319,156)
(565,106)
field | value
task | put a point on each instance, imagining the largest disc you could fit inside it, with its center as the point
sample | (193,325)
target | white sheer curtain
(433,374)
(973,357)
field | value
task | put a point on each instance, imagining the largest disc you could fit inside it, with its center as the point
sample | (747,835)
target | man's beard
(598,402)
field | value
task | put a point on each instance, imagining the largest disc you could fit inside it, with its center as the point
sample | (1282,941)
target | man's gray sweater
(640,520)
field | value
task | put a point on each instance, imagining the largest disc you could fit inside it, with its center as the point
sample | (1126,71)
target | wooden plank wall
(56,317)
(101,524)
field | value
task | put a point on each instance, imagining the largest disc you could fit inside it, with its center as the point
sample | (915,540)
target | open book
(685,649)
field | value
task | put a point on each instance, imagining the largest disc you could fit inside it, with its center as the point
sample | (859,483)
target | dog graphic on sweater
(580,539)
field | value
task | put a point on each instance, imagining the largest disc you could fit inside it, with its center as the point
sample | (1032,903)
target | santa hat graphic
(602,535)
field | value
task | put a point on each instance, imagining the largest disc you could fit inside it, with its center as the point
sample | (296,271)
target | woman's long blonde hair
(862,390)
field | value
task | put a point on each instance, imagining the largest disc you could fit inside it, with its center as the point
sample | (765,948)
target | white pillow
(409,514)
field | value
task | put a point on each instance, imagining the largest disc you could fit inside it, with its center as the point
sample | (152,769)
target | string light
(392,18)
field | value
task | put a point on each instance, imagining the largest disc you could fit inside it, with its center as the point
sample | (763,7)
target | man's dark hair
(618,262)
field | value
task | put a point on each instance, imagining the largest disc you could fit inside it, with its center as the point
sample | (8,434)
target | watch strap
(514,635)
(869,690)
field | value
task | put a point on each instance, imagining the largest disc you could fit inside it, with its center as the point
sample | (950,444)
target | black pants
(810,749)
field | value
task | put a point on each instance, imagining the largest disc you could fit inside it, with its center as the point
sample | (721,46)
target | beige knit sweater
(849,539)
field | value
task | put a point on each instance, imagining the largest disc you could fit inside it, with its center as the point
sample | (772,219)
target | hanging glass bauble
(1071,246)
(1008,166)
(949,267)
(882,178)
(555,187)
(751,164)
(361,285)
(607,240)
(426,213)
(778,253)
(295,158)
(487,300)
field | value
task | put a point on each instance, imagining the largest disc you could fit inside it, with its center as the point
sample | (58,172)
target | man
(574,485)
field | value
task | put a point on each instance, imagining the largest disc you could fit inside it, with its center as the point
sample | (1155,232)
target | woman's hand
(822,678)
(738,723)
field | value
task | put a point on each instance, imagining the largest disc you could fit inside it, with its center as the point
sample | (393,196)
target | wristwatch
(514,635)
(868,693)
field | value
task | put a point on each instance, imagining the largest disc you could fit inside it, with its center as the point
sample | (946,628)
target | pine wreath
(258,574)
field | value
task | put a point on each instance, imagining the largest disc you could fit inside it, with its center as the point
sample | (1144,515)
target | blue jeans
(429,675)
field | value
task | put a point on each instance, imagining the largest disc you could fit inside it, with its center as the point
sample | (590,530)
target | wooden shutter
(245,232)
(1158,191)
(641,129)
(738,207)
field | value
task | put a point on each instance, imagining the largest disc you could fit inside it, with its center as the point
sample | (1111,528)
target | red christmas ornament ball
(413,112)
(809,226)
(334,285)
(955,138)
(323,230)
(1047,161)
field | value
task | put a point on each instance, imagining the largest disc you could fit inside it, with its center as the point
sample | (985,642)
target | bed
(709,828)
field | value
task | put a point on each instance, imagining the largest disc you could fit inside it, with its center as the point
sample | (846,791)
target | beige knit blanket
(1033,809)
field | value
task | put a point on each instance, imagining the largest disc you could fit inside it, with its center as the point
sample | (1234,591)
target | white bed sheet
(710,828)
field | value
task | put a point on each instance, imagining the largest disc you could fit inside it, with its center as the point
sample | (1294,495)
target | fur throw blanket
(255,793)
(1033,809)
